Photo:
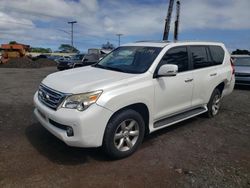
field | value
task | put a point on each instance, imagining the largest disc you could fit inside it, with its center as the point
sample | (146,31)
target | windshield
(130,59)
(242,61)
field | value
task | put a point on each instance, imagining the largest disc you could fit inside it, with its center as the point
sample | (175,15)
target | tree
(241,52)
(68,48)
(108,46)
(40,50)
(12,42)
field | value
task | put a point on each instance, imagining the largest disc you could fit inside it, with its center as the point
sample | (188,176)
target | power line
(63,31)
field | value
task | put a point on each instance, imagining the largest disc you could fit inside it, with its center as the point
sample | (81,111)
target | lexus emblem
(47,96)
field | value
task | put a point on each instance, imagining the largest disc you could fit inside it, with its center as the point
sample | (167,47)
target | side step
(180,117)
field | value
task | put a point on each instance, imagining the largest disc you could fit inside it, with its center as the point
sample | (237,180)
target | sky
(44,23)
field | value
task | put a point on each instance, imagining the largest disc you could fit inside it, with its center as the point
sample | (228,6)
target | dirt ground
(199,152)
(25,62)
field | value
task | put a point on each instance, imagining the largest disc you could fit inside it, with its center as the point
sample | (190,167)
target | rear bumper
(88,126)
(242,81)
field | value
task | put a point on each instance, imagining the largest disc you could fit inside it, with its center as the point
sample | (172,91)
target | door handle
(189,80)
(214,74)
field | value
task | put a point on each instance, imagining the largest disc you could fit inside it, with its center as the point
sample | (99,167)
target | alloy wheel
(216,104)
(126,135)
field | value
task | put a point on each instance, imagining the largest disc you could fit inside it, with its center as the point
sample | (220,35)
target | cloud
(37,21)
(226,14)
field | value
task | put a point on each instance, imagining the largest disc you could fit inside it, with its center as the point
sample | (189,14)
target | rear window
(200,57)
(242,61)
(217,54)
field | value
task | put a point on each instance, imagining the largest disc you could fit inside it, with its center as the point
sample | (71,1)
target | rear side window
(217,54)
(177,56)
(200,57)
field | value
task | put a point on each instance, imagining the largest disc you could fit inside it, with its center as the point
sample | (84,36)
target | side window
(217,54)
(200,57)
(177,56)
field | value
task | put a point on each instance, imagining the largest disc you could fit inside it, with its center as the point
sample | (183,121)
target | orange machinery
(13,51)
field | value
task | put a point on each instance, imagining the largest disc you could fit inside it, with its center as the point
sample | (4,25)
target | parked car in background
(77,60)
(41,56)
(72,62)
(64,62)
(94,55)
(136,89)
(242,69)
(54,57)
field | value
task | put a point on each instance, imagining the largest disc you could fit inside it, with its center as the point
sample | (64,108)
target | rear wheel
(124,133)
(214,103)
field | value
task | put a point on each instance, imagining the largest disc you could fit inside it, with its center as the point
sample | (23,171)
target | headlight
(81,101)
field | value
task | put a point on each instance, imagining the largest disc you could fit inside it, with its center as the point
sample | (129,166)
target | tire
(214,103)
(123,135)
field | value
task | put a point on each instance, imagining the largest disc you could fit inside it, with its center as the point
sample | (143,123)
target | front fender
(137,92)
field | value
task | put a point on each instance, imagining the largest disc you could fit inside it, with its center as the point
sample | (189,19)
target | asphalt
(199,152)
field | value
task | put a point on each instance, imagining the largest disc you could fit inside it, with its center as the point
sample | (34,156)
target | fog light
(69,131)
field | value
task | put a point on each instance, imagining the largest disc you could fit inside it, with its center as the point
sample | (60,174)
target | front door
(174,94)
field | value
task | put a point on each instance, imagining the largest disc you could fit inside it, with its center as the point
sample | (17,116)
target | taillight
(232,66)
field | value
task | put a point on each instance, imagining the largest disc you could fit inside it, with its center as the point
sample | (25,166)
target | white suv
(136,89)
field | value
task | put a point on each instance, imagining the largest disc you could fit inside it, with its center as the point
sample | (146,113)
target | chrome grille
(50,97)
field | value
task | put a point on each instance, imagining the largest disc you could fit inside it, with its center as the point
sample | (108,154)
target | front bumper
(88,126)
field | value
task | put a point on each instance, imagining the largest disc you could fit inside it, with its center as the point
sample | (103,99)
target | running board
(180,117)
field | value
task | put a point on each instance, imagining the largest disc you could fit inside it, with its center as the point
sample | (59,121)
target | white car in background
(242,69)
(136,89)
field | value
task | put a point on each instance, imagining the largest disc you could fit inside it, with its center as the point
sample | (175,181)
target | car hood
(242,69)
(86,79)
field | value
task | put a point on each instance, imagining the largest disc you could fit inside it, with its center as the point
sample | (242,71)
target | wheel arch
(221,87)
(141,108)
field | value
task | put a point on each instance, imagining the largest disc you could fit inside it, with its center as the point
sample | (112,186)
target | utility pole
(168,20)
(176,23)
(119,38)
(72,38)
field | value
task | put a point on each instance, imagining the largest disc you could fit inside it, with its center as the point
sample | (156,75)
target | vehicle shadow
(57,151)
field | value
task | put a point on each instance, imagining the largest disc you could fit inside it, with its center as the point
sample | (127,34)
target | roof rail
(156,41)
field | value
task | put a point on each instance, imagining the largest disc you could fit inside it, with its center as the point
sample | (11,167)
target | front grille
(50,97)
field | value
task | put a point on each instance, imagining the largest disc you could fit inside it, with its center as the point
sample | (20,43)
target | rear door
(205,74)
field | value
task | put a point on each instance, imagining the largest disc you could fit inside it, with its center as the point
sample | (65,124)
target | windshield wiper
(116,69)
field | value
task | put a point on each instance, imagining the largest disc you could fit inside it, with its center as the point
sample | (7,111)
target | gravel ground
(199,152)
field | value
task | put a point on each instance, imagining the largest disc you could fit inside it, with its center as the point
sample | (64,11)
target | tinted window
(177,56)
(217,54)
(199,57)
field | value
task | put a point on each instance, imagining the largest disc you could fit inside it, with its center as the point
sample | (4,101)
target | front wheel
(124,133)
(214,103)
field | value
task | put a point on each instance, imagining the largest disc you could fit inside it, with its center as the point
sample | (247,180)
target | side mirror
(167,70)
